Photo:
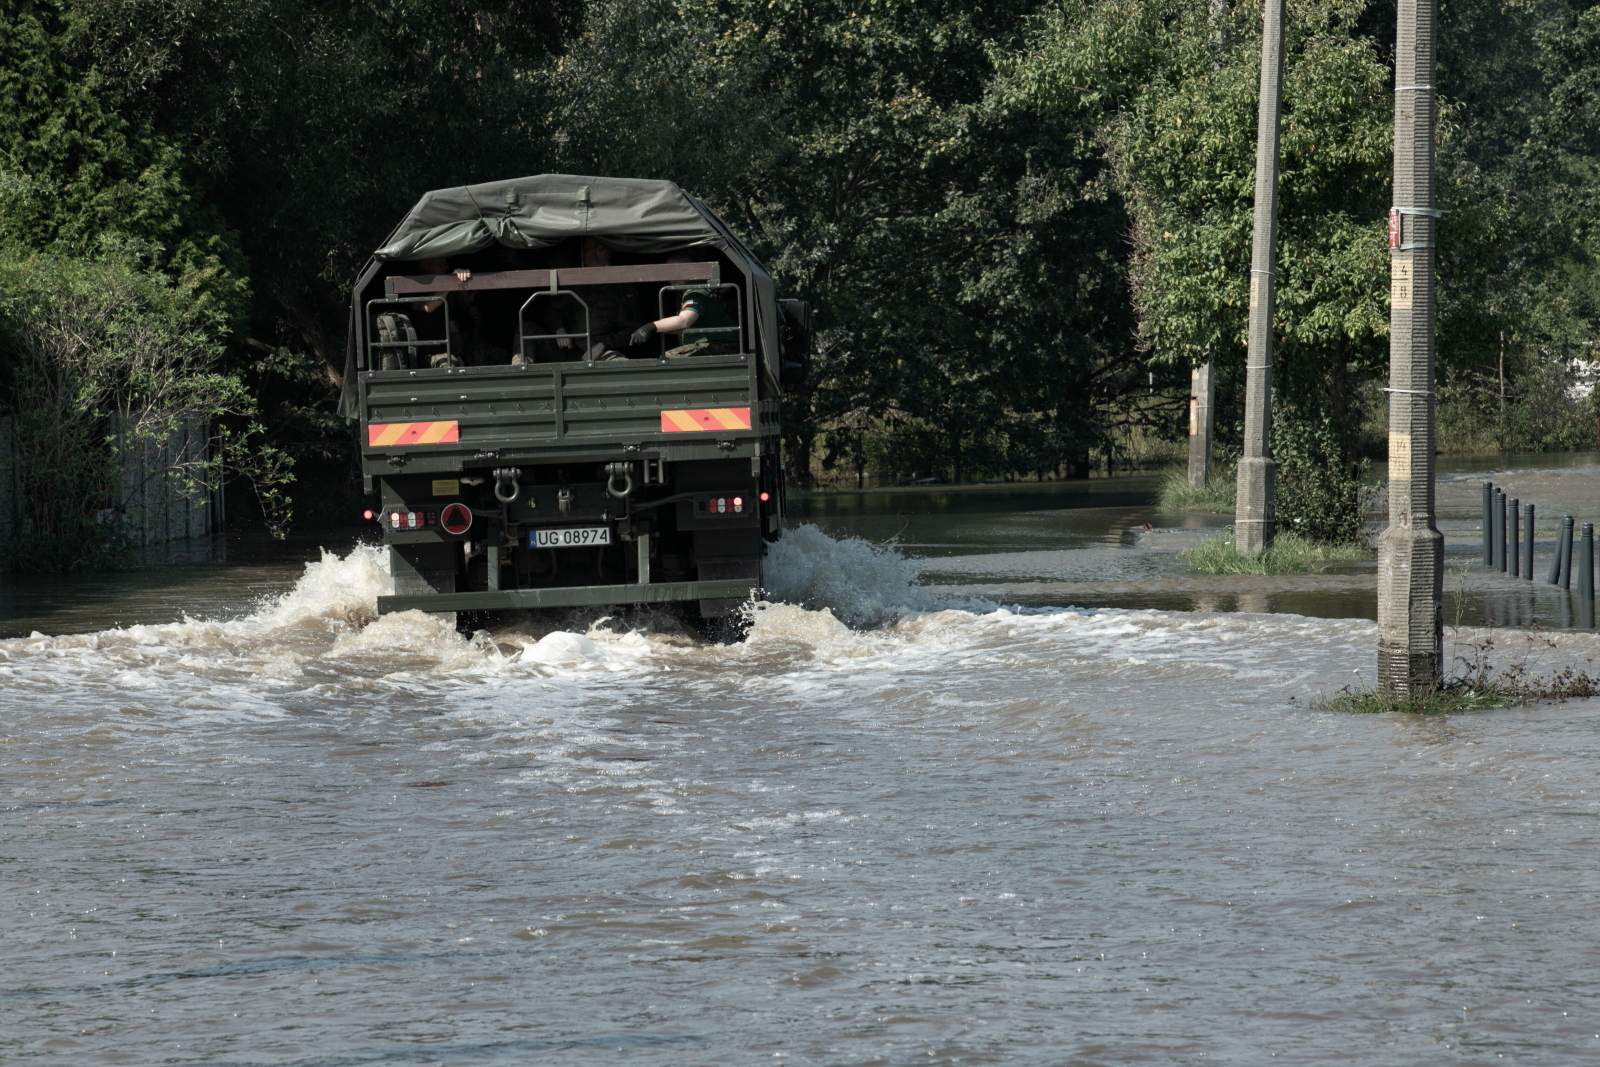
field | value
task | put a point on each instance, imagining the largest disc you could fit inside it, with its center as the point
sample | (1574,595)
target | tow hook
(564,500)
(623,470)
(506,487)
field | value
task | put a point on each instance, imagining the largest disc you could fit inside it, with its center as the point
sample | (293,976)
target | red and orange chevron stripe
(701,420)
(387,434)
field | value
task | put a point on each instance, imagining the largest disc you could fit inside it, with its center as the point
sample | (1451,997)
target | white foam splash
(859,583)
(337,590)
(324,634)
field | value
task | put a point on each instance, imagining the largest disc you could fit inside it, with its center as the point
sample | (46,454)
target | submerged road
(286,832)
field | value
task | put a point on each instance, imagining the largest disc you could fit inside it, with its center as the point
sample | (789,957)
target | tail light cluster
(724,505)
(411,520)
(455,519)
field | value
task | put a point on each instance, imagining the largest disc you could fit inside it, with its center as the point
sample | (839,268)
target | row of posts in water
(1508,544)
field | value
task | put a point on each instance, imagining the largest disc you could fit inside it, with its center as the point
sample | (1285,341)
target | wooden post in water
(1411,550)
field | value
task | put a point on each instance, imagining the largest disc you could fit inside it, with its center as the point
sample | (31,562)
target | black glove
(643,334)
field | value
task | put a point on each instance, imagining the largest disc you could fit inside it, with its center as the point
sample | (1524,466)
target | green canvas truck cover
(629,214)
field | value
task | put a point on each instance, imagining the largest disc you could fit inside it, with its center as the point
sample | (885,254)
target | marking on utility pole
(1399,457)
(1402,289)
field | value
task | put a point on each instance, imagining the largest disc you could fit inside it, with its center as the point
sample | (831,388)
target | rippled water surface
(956,833)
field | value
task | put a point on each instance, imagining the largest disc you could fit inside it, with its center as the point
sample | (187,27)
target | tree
(79,178)
(113,380)
(1171,87)
(973,310)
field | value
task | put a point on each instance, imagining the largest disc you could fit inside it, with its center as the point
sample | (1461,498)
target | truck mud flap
(570,596)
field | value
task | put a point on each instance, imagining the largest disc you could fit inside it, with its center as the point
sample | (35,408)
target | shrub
(107,367)
(1218,494)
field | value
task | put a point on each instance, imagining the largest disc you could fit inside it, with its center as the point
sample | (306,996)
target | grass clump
(1479,686)
(1445,700)
(1218,494)
(1290,554)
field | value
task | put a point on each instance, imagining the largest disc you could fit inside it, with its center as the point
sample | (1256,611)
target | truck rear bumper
(569,596)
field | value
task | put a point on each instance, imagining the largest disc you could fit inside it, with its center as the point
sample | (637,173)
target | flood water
(285,831)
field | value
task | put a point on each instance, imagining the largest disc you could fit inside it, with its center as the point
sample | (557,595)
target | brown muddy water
(283,831)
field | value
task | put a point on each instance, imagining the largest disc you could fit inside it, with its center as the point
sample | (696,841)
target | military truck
(524,453)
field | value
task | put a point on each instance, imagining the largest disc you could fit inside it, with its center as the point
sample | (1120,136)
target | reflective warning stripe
(386,434)
(699,420)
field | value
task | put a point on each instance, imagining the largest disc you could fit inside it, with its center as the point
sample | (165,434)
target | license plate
(571,537)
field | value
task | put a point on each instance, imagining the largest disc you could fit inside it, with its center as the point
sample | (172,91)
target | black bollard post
(1513,541)
(1555,561)
(1488,524)
(1564,548)
(1586,578)
(1527,542)
(1500,530)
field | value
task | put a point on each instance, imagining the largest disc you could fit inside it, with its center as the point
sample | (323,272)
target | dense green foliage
(1019,222)
(109,368)
(1171,84)
(79,178)
(966,268)
(1518,252)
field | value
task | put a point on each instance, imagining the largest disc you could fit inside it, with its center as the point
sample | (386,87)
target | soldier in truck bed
(699,307)
(467,345)
(613,311)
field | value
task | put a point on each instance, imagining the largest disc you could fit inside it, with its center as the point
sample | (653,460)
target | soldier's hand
(564,341)
(643,334)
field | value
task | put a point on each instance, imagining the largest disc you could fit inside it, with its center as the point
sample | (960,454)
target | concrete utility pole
(1411,550)
(1202,379)
(1255,519)
(1202,401)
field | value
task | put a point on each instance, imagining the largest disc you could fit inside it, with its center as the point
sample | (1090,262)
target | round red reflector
(367,514)
(738,501)
(765,497)
(456,519)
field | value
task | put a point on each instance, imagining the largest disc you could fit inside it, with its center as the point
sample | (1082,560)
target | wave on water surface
(822,591)
(837,608)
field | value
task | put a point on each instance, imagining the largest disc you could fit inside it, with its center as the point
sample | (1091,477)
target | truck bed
(443,419)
